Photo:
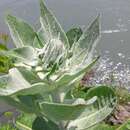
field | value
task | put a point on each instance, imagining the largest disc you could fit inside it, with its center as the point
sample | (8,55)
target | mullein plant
(47,64)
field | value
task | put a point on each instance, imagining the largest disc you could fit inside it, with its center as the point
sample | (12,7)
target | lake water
(115,20)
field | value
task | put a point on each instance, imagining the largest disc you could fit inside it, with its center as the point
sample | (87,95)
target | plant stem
(62,125)
(18,124)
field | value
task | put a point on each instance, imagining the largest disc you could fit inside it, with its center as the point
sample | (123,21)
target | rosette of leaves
(47,66)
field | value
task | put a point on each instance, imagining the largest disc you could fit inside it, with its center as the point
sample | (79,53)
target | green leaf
(3,47)
(73,35)
(103,106)
(5,62)
(90,35)
(29,75)
(38,40)
(125,126)
(17,104)
(65,111)
(30,102)
(26,119)
(67,82)
(21,33)
(51,29)
(15,80)
(22,86)
(54,52)
(40,88)
(68,78)
(103,126)
(25,55)
(44,124)
(22,126)
(83,52)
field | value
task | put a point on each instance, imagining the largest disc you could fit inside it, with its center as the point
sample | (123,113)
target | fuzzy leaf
(38,40)
(54,52)
(51,29)
(43,124)
(73,35)
(26,55)
(15,80)
(68,78)
(99,111)
(83,52)
(90,35)
(20,85)
(21,33)
(30,101)
(30,76)
(13,102)
(63,111)
(67,82)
